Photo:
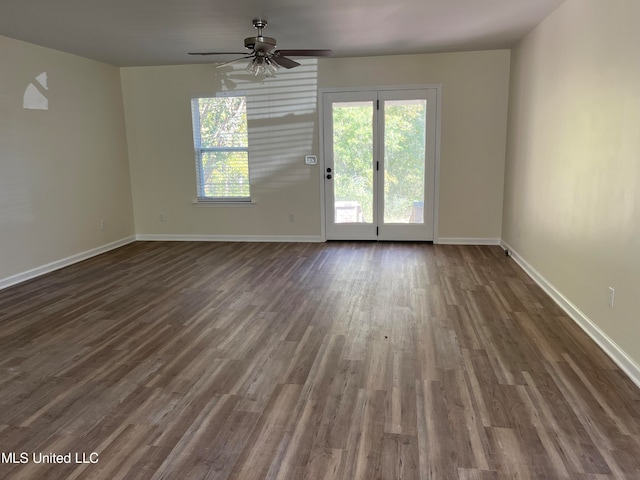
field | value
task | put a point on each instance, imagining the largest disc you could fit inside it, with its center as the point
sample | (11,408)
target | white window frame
(200,150)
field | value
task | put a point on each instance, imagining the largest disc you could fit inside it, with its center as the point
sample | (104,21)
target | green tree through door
(404,146)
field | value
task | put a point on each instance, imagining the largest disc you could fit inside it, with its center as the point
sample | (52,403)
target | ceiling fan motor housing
(250,42)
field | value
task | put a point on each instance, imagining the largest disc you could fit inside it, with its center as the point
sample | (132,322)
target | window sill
(218,203)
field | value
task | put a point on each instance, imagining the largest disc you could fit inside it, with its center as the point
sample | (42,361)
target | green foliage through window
(353,155)
(404,159)
(404,149)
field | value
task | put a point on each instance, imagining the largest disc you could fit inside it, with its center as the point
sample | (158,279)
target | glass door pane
(404,160)
(379,149)
(353,162)
(406,185)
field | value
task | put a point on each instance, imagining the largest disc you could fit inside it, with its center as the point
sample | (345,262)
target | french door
(379,171)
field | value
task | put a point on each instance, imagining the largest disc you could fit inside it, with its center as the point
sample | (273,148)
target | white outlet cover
(310,159)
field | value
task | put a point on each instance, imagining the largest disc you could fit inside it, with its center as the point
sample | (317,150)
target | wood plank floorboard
(336,361)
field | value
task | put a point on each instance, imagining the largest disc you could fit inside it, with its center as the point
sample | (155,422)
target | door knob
(328,177)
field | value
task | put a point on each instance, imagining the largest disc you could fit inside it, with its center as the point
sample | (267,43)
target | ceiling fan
(265,58)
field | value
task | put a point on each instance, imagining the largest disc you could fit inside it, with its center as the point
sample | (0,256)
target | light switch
(310,159)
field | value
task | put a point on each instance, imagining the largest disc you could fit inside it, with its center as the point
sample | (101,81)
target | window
(221,148)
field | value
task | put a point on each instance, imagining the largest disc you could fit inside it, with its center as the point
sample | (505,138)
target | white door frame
(321,139)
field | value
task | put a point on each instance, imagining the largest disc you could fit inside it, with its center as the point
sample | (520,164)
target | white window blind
(221,148)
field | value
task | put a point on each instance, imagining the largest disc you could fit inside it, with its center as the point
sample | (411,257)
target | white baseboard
(229,238)
(467,241)
(611,348)
(65,262)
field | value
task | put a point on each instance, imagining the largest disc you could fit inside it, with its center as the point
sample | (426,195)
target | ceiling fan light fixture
(272,67)
(256,66)
(261,65)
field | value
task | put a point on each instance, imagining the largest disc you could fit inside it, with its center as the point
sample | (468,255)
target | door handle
(328,177)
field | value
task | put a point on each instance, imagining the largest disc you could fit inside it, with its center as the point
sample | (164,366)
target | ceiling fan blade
(284,61)
(232,61)
(217,53)
(304,53)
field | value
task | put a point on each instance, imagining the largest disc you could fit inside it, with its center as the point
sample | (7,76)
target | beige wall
(62,170)
(282,118)
(284,123)
(572,185)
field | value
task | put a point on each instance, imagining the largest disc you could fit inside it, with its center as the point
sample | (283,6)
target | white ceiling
(161,32)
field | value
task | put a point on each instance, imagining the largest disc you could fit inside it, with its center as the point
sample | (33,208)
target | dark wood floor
(306,361)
